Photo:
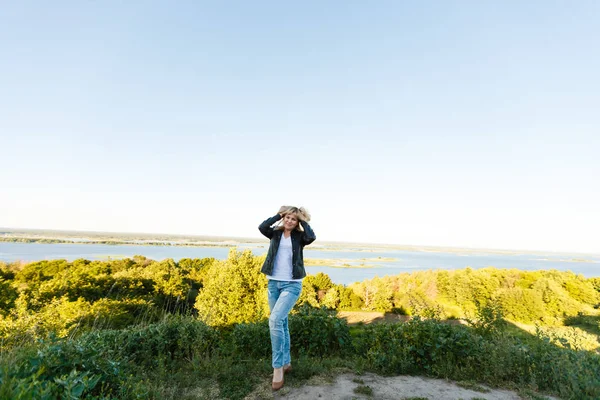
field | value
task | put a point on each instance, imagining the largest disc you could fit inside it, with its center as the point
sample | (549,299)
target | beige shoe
(287,368)
(276,385)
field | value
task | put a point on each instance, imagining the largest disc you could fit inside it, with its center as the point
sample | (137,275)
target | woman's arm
(265,226)
(308,236)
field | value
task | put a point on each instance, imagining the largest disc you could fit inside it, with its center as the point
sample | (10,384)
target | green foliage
(94,329)
(364,389)
(119,363)
(308,295)
(318,290)
(313,332)
(58,369)
(595,282)
(591,323)
(349,300)
(317,332)
(320,281)
(580,289)
(331,299)
(8,295)
(102,361)
(376,294)
(136,290)
(69,386)
(520,304)
(470,385)
(66,298)
(172,339)
(39,271)
(489,319)
(525,296)
(62,318)
(416,347)
(569,337)
(579,380)
(197,269)
(250,340)
(450,351)
(7,271)
(234,291)
(422,306)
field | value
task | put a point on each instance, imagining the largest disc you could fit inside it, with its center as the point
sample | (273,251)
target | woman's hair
(301,213)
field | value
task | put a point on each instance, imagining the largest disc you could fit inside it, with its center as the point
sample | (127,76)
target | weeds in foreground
(364,389)
(472,386)
(181,358)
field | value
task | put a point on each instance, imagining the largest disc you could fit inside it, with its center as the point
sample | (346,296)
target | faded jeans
(282,297)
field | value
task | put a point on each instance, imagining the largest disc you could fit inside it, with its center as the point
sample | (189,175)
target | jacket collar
(294,234)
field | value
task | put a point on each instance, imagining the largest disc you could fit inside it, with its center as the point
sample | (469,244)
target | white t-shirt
(282,269)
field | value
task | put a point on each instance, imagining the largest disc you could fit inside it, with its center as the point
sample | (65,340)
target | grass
(364,389)
(229,378)
(580,333)
(527,394)
(164,360)
(472,386)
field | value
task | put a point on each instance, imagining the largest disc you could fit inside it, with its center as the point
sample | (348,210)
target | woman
(284,267)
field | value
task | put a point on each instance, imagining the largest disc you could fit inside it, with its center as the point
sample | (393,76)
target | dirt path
(370,386)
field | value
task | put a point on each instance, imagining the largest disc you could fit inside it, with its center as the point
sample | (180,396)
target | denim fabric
(282,297)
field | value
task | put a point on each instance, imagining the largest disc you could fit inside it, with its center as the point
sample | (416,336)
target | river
(394,261)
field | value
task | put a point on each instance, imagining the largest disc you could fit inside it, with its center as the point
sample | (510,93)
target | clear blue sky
(459,123)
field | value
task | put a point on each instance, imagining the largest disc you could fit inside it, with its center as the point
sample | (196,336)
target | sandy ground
(349,386)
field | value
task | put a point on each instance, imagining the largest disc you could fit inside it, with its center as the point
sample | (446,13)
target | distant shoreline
(49,236)
(109,242)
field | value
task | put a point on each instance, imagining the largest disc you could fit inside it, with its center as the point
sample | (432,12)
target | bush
(313,332)
(349,300)
(251,340)
(419,347)
(590,323)
(489,319)
(457,352)
(8,295)
(56,368)
(525,305)
(234,291)
(318,332)
(595,282)
(37,272)
(174,338)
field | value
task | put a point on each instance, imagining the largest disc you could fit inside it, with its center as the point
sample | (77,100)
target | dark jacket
(299,240)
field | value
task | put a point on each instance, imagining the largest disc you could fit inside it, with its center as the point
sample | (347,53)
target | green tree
(315,289)
(331,299)
(234,291)
(8,295)
(376,293)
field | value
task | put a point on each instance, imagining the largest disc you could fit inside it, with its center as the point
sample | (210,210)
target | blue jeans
(282,297)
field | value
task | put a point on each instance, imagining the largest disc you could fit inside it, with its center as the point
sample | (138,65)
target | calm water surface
(404,261)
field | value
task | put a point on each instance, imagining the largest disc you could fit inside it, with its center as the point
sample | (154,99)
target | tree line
(61,296)
(137,328)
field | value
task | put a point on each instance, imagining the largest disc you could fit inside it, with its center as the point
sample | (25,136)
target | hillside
(139,328)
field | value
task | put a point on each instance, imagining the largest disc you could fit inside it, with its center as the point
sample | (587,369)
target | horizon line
(225,238)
